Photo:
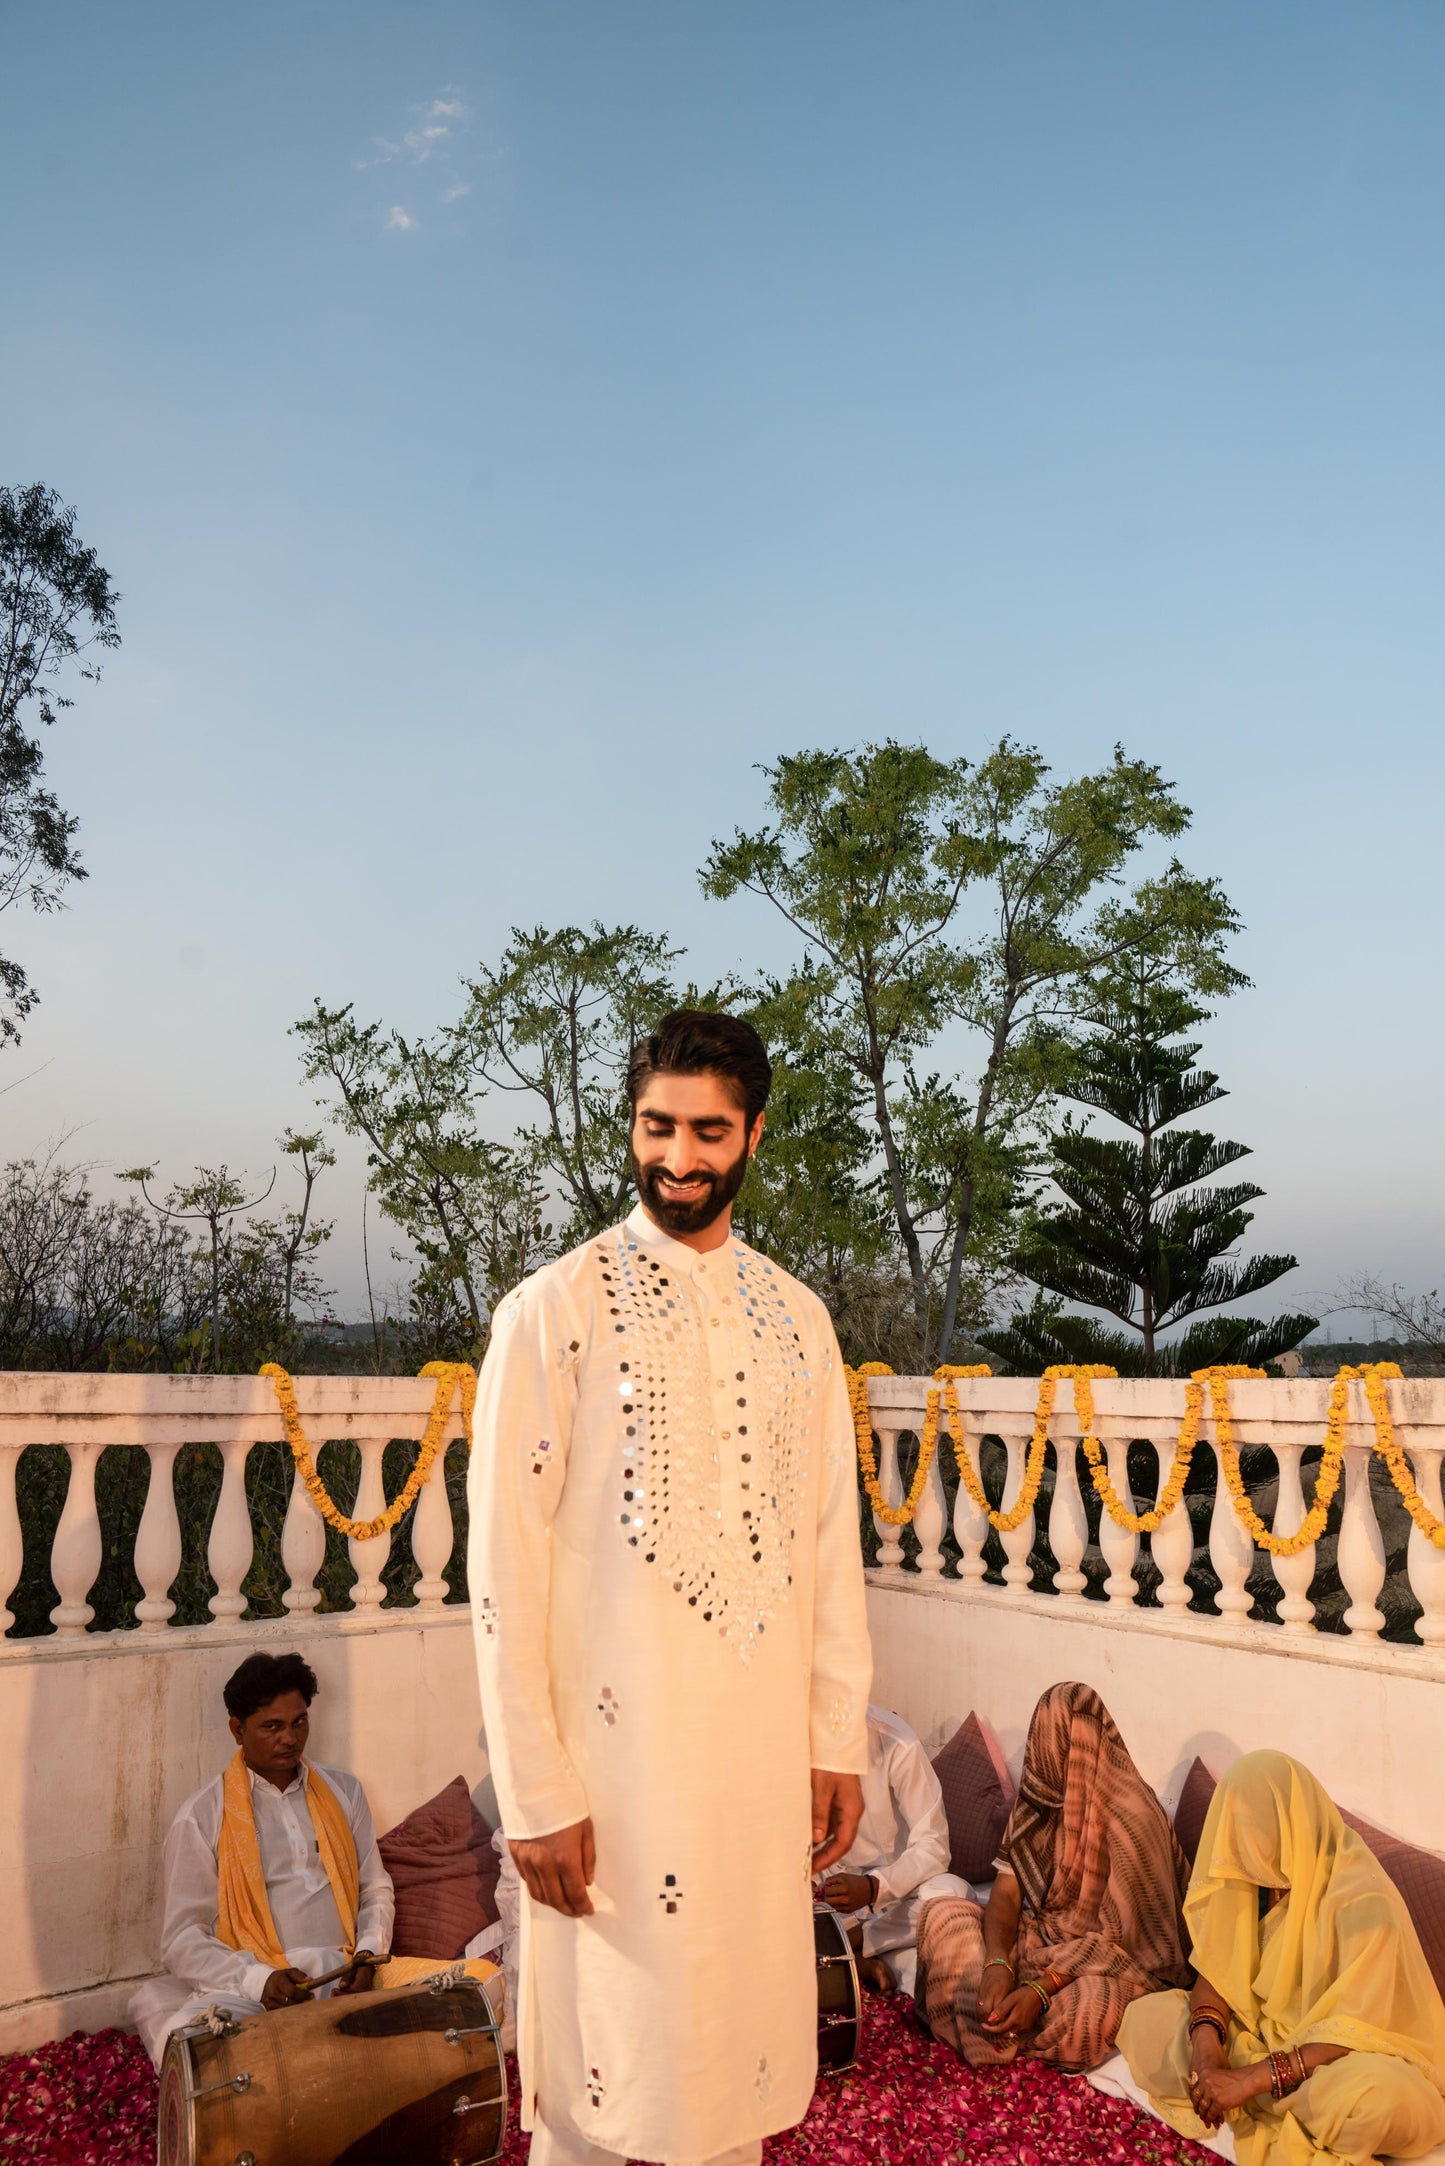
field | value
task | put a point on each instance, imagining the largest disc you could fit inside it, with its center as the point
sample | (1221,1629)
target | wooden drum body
(840,1998)
(401,2078)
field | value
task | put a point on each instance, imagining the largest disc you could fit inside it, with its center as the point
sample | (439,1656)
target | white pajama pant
(893,1930)
(569,2147)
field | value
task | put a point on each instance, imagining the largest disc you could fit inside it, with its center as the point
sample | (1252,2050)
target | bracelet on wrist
(1004,1964)
(1043,1996)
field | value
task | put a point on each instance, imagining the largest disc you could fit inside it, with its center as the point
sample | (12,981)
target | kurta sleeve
(842,1657)
(376,1909)
(918,1795)
(190,1950)
(522,1433)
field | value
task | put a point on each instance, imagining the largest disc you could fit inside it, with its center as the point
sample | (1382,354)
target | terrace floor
(89,2100)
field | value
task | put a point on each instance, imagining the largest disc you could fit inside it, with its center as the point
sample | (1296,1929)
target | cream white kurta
(667,1595)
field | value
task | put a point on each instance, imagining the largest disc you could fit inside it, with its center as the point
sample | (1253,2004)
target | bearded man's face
(690,1150)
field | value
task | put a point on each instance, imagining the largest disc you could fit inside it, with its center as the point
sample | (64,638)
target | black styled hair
(264,1678)
(703,1041)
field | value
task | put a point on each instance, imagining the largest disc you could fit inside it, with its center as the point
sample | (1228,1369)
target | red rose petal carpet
(91,2101)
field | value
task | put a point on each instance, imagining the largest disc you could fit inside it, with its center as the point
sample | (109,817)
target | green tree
(213,1200)
(471,1208)
(56,601)
(877,859)
(555,1022)
(1138,1234)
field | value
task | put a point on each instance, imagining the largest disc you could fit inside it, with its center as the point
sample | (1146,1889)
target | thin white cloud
(460,188)
(400,221)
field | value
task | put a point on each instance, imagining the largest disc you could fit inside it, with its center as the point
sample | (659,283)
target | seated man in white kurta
(667,1596)
(265,1851)
(899,1859)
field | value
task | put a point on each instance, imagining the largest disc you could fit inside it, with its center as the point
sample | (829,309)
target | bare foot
(876,1975)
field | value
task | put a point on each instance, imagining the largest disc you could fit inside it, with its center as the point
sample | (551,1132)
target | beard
(714,1193)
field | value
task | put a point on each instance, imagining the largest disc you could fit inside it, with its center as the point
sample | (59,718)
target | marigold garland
(1216,1381)
(451,1377)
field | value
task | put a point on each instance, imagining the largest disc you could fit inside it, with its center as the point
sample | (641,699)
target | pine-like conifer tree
(1138,1235)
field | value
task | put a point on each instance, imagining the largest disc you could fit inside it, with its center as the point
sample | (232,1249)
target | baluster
(1296,1611)
(1118,1546)
(12,1538)
(931,1518)
(890,1485)
(303,1550)
(970,1527)
(1017,1545)
(232,1544)
(1231,1552)
(158,1541)
(369,1558)
(433,1535)
(1424,1562)
(1068,1521)
(75,1557)
(1172,1543)
(1361,1554)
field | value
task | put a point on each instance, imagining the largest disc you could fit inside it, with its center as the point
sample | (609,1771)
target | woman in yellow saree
(1315,2028)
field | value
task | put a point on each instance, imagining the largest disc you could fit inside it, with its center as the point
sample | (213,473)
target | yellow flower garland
(451,1377)
(1373,1375)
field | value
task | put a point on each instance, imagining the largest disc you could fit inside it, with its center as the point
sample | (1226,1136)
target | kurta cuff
(253,1981)
(547,1813)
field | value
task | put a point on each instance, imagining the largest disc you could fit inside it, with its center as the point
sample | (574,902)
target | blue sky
(509,423)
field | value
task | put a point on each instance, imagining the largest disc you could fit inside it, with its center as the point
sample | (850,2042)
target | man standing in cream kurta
(667,1594)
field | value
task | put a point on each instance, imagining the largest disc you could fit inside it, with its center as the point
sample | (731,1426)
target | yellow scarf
(1338,1962)
(243,1914)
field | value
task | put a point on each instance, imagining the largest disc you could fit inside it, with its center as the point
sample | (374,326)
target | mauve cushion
(1420,1877)
(977,1797)
(1193,1804)
(444,1870)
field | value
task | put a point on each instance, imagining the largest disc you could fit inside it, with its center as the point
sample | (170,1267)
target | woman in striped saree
(1084,1915)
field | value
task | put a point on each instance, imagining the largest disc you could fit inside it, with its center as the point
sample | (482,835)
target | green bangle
(1043,1996)
(1004,1962)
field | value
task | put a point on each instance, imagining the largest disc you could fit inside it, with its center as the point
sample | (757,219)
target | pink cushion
(444,1870)
(977,1797)
(1420,1877)
(1193,1804)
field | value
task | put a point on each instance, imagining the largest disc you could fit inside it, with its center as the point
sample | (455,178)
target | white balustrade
(1425,1560)
(303,1550)
(1360,1558)
(1172,1543)
(890,1487)
(75,1555)
(970,1522)
(1068,1522)
(368,1558)
(1231,1552)
(158,1415)
(1119,1546)
(930,1519)
(1017,1541)
(432,1537)
(12,1537)
(158,1541)
(1296,1611)
(232,1544)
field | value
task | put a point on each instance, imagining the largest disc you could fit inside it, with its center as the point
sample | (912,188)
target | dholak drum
(840,2001)
(369,2079)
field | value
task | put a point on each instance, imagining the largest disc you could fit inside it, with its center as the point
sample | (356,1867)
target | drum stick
(330,1977)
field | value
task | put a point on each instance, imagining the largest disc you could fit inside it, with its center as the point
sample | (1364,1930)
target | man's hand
(558,1869)
(362,1976)
(837,1810)
(284,1989)
(847,1891)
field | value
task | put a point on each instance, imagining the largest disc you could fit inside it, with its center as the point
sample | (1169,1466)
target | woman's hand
(994,1989)
(1020,2012)
(1216,2093)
